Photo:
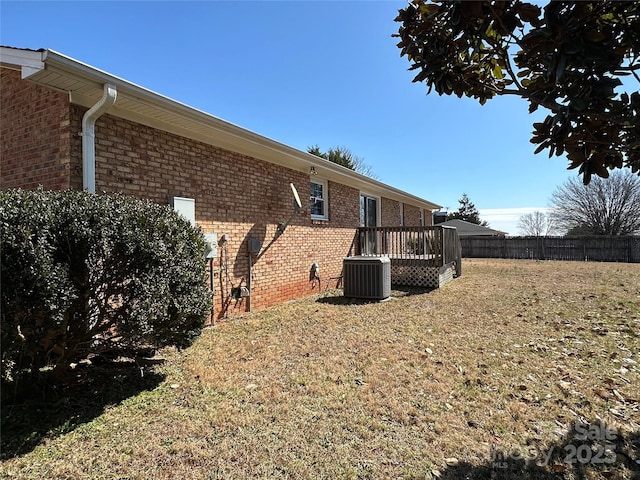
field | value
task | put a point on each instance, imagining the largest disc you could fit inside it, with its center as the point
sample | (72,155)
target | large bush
(83,274)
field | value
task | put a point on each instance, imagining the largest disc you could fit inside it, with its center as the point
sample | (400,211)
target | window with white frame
(369,211)
(319,200)
(369,217)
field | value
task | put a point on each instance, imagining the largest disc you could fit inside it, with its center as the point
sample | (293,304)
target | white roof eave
(28,61)
(84,85)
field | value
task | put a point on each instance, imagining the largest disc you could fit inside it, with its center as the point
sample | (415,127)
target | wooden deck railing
(436,245)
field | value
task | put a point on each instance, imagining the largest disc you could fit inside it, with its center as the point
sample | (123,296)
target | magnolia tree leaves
(570,58)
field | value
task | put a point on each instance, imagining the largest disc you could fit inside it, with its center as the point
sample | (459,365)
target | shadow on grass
(44,413)
(335,297)
(400,291)
(342,300)
(588,451)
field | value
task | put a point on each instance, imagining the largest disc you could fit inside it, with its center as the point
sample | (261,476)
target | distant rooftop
(468,229)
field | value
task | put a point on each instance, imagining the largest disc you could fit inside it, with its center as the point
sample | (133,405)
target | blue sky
(309,73)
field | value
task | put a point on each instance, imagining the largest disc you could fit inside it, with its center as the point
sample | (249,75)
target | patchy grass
(484,378)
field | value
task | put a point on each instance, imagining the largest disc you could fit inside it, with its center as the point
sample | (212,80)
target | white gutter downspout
(89,135)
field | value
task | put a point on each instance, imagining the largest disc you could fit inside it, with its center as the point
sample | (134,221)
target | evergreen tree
(467,212)
(343,156)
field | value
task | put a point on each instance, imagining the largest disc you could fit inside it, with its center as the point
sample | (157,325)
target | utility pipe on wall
(89,135)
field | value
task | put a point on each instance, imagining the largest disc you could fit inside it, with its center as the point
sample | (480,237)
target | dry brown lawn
(483,378)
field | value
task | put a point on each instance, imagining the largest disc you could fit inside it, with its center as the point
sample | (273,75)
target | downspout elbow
(88,136)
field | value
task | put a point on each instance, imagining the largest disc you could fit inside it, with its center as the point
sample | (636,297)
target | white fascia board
(29,61)
(215,131)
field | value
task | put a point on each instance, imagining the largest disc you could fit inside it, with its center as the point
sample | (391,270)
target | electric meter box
(211,243)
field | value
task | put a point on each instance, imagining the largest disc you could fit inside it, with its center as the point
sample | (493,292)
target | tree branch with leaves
(343,156)
(568,58)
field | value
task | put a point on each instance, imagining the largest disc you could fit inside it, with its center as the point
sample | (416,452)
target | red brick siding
(411,216)
(35,132)
(428,218)
(390,213)
(344,206)
(235,195)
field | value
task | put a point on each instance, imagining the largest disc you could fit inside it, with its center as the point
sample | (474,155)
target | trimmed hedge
(84,274)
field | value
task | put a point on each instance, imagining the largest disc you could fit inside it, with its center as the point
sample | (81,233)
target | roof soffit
(84,85)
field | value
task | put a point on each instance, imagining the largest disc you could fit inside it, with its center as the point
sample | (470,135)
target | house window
(319,200)
(401,214)
(369,217)
(369,214)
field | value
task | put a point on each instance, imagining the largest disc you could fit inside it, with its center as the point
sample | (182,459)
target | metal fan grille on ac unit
(367,277)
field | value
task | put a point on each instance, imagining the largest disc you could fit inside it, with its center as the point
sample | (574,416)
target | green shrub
(83,274)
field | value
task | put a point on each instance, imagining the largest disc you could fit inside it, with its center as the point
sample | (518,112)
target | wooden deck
(420,256)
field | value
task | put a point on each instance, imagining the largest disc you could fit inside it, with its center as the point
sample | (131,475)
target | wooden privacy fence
(591,248)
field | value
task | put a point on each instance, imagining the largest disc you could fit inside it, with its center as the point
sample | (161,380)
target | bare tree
(536,224)
(604,207)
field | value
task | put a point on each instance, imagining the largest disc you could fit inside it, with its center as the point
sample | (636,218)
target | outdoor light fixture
(312,171)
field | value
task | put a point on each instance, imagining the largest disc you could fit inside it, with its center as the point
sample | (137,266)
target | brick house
(65,124)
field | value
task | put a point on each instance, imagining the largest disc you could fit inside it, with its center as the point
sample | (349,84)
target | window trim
(325,199)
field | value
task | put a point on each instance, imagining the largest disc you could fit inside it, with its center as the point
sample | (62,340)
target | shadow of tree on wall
(40,413)
(588,451)
(241,266)
(258,232)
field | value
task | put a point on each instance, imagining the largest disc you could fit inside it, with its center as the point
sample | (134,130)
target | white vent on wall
(185,207)
(367,277)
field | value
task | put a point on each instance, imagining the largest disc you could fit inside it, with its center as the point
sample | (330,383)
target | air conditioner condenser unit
(367,277)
